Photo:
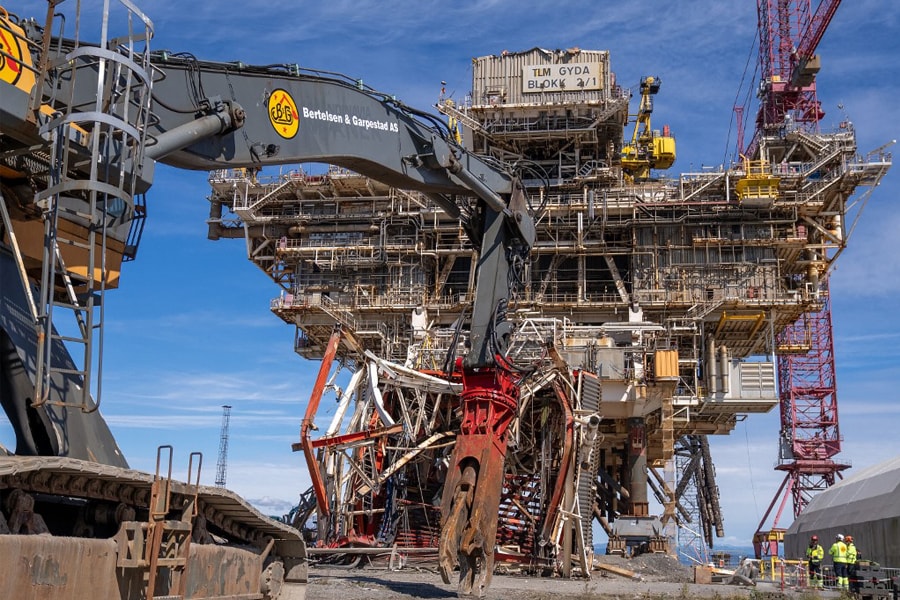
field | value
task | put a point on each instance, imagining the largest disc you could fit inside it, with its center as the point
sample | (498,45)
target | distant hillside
(735,553)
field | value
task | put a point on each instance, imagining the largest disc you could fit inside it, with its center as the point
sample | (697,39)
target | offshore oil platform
(651,312)
(524,325)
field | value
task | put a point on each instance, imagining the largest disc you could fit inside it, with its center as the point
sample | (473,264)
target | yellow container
(665,365)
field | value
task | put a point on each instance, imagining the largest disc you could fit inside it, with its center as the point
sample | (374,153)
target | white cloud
(885,409)
(275,507)
(168,421)
(159,422)
(246,391)
(870,268)
(280,481)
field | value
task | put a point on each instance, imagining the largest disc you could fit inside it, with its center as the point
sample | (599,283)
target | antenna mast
(221,464)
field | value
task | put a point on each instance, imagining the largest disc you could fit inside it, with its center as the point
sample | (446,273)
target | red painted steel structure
(306,427)
(810,435)
(789,32)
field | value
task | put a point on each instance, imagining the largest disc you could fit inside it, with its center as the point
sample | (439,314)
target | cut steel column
(306,426)
(637,467)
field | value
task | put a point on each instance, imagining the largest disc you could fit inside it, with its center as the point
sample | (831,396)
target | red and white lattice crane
(789,32)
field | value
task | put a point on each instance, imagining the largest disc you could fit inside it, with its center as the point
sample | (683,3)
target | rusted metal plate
(64,568)
(43,567)
(218,571)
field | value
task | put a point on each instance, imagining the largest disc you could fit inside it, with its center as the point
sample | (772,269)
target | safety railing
(794,574)
(96,134)
(787,573)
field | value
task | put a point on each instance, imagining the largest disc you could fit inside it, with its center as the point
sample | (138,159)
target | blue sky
(190,329)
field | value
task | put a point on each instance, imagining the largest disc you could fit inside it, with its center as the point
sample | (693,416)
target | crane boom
(292,117)
(810,437)
(788,38)
(811,37)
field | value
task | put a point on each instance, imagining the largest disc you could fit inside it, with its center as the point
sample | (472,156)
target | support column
(637,465)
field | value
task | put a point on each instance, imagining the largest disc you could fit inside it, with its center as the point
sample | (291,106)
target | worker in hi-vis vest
(853,557)
(815,554)
(838,554)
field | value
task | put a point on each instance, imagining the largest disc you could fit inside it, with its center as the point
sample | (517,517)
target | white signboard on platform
(570,77)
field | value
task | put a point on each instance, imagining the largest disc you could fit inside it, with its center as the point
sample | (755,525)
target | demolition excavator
(83,124)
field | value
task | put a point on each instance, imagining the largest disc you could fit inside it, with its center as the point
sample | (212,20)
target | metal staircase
(159,549)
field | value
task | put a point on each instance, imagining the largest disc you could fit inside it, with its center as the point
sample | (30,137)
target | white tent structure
(866,506)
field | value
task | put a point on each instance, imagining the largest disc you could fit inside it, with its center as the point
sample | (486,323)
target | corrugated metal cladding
(504,79)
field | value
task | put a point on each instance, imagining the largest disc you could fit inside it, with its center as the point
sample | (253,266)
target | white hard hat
(839,537)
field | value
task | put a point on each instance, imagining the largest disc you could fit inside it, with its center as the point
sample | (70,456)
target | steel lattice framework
(810,434)
(222,463)
(789,32)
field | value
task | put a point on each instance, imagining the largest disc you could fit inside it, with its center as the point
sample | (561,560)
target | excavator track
(70,477)
(100,519)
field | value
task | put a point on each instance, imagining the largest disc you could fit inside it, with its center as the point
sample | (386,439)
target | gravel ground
(662,578)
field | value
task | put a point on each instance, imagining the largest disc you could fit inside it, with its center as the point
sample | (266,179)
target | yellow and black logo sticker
(14,60)
(283,114)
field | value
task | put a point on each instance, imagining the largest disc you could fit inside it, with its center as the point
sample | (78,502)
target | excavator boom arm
(210,115)
(292,117)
